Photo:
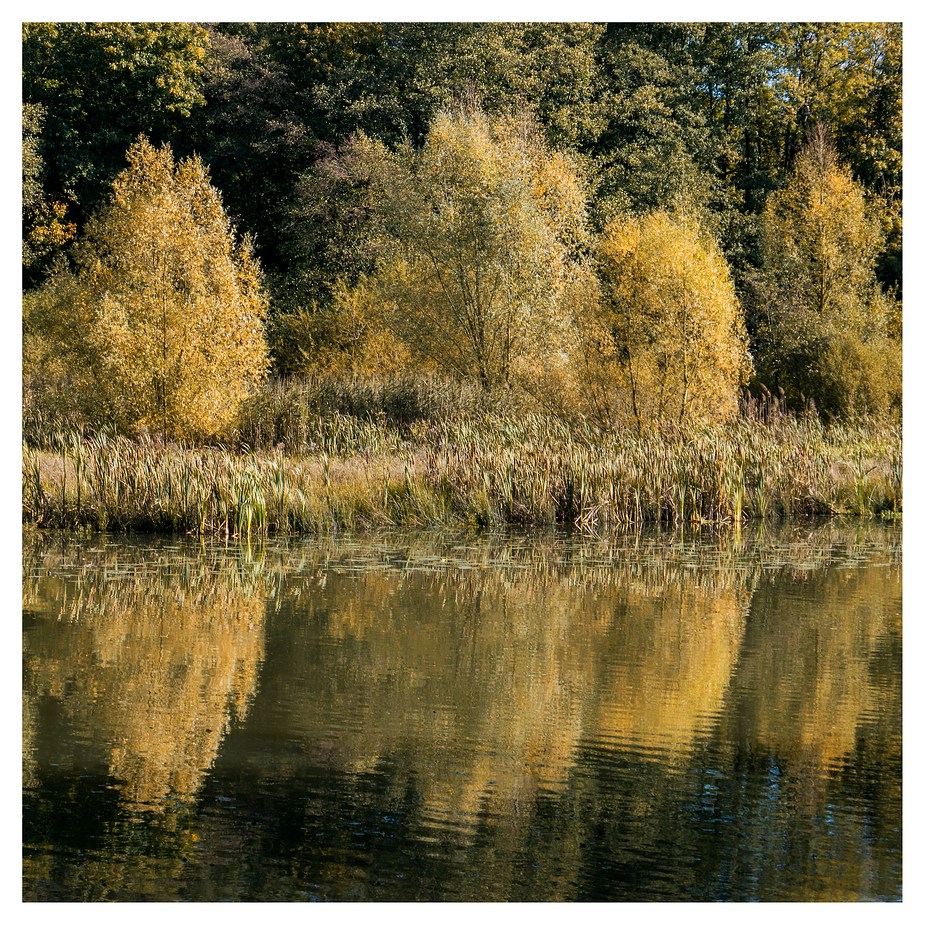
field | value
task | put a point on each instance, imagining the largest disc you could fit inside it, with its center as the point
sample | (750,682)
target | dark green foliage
(33,116)
(46,225)
(329,232)
(101,85)
(651,150)
(548,69)
(254,136)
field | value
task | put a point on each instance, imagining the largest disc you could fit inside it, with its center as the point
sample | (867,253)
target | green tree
(653,150)
(45,228)
(101,85)
(32,117)
(828,332)
(762,87)
(255,125)
(871,138)
(481,229)
(390,79)
(159,323)
(333,238)
(549,69)
(666,343)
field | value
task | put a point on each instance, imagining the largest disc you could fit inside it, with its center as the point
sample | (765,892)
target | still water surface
(544,717)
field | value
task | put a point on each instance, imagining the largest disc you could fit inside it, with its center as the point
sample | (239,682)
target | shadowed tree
(827,330)
(45,228)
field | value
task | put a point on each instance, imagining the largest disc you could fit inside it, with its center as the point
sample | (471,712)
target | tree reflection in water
(539,717)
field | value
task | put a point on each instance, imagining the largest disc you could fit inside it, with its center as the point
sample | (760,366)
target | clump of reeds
(536,470)
(112,483)
(488,470)
(299,414)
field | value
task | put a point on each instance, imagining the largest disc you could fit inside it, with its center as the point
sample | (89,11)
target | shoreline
(494,472)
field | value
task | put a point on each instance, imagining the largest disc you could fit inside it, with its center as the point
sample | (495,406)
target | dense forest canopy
(740,133)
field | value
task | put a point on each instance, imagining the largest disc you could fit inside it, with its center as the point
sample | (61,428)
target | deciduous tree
(389,81)
(827,332)
(653,148)
(480,230)
(101,84)
(159,322)
(667,343)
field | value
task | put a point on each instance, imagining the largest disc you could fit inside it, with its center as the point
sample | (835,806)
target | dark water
(662,717)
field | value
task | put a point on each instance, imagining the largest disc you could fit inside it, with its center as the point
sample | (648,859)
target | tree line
(625,221)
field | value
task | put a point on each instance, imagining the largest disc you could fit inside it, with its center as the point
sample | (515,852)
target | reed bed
(294,413)
(491,470)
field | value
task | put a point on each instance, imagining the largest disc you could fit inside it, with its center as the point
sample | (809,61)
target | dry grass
(494,469)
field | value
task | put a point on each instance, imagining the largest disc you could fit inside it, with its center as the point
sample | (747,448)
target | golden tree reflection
(487,700)
(668,682)
(151,659)
(807,676)
(487,671)
(818,711)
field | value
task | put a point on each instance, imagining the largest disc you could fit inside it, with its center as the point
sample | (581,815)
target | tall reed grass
(410,458)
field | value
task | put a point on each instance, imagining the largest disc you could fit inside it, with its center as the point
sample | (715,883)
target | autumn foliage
(158,324)
(485,272)
(666,342)
(478,234)
(828,331)
(626,223)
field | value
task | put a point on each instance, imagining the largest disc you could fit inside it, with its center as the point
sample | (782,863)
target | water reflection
(668,665)
(488,671)
(816,711)
(448,718)
(807,677)
(143,663)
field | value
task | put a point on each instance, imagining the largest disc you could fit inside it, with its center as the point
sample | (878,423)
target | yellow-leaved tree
(480,231)
(665,340)
(827,330)
(158,320)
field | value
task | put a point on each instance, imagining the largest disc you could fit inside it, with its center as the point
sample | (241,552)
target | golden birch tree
(479,231)
(159,321)
(666,342)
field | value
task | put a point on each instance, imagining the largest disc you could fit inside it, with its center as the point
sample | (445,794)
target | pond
(664,716)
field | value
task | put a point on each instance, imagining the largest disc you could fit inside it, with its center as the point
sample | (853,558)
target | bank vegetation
(513,311)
